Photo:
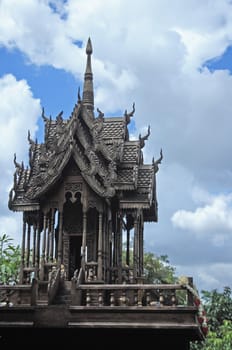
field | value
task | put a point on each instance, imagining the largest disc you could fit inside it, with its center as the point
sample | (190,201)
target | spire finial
(88,97)
(89,49)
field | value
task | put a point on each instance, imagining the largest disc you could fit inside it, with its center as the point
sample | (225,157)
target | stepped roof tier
(101,149)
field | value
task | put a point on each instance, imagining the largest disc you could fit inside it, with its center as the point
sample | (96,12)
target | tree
(9,260)
(218,308)
(157,269)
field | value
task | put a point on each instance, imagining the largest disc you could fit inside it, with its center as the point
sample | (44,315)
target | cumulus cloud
(207,276)
(214,216)
(19,112)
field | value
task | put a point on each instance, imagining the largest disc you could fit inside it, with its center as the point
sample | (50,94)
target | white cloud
(214,216)
(19,112)
(208,276)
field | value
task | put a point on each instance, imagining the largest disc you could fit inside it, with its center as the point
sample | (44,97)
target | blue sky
(174,60)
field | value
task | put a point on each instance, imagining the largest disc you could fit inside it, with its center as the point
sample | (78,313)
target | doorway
(75,244)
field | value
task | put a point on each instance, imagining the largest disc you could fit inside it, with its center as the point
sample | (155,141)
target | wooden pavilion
(85,197)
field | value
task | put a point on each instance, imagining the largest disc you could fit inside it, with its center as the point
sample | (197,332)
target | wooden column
(51,253)
(141,252)
(60,239)
(99,255)
(128,247)
(109,249)
(48,238)
(83,258)
(43,247)
(37,251)
(23,249)
(120,249)
(135,249)
(28,244)
(34,245)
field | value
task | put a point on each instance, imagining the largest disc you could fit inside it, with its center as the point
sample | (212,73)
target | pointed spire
(88,98)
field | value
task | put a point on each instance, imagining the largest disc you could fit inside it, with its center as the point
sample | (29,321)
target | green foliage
(221,339)
(157,269)
(9,260)
(218,308)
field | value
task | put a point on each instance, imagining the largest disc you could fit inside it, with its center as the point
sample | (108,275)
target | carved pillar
(28,244)
(23,249)
(114,247)
(66,252)
(48,237)
(60,239)
(128,246)
(37,251)
(34,245)
(43,247)
(141,247)
(109,250)
(120,249)
(135,250)
(83,259)
(99,259)
(51,253)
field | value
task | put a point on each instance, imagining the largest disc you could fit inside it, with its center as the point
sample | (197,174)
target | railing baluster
(112,298)
(173,298)
(88,298)
(161,298)
(100,298)
(139,303)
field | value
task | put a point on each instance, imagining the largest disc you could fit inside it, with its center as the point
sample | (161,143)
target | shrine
(84,198)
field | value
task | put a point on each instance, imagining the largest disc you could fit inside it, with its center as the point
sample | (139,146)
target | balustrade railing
(141,295)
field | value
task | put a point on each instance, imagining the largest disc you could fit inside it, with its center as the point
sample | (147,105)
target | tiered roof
(107,159)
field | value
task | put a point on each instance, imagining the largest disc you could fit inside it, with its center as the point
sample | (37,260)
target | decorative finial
(89,49)
(88,97)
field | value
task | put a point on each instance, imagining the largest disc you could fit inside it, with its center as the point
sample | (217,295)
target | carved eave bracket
(156,163)
(127,117)
(142,139)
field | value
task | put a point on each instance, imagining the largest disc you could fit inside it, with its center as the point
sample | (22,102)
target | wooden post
(37,251)
(48,238)
(83,259)
(135,250)
(51,254)
(23,249)
(99,260)
(28,243)
(128,247)
(60,239)
(43,247)
(34,245)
